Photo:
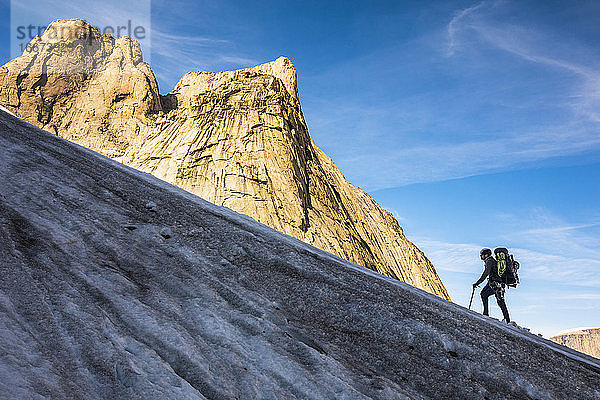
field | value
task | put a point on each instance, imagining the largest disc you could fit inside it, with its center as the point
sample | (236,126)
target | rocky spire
(283,69)
(236,138)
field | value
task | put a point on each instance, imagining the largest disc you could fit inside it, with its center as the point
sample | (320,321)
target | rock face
(235,138)
(586,341)
(90,88)
(117,285)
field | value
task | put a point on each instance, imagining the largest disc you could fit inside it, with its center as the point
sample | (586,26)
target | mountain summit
(235,138)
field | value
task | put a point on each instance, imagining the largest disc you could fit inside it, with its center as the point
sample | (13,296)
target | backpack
(507,267)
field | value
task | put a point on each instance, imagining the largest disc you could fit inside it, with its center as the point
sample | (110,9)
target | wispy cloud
(571,243)
(241,61)
(455,25)
(558,230)
(529,45)
(187,39)
(573,282)
(450,135)
(434,162)
(566,270)
(181,49)
(582,296)
(179,54)
(572,259)
(451,257)
(528,309)
(397,215)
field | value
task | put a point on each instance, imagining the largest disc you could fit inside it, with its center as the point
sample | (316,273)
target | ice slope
(114,284)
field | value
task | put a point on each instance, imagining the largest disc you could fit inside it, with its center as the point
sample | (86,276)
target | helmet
(485,252)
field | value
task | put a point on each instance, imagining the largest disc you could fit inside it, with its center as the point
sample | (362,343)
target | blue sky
(475,123)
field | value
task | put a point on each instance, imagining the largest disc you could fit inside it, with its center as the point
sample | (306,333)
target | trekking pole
(472,294)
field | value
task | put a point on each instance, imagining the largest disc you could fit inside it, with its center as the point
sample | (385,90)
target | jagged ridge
(235,138)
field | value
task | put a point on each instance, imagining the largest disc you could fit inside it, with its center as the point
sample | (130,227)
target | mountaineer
(495,286)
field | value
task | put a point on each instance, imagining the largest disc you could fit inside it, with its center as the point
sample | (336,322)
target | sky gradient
(475,123)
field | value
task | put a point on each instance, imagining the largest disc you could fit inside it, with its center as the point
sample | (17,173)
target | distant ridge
(585,340)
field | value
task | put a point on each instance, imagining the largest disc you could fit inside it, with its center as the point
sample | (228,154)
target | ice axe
(472,294)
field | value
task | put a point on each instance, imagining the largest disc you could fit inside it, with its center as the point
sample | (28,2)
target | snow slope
(114,284)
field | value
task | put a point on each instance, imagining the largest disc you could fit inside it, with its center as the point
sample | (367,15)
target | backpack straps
(501,259)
